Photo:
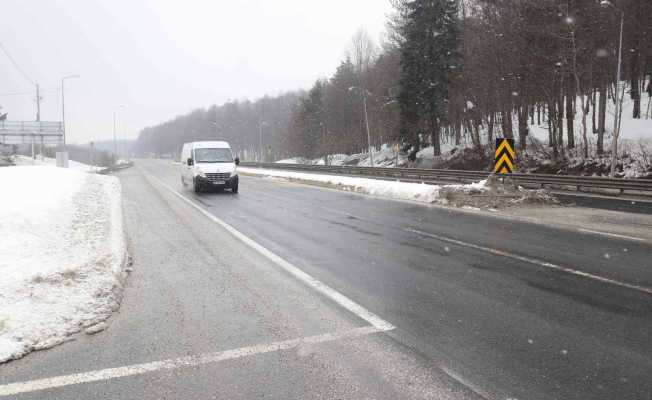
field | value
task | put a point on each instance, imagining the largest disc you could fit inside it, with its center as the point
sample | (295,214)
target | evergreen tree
(429,57)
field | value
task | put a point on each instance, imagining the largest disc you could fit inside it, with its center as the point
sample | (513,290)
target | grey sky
(162,58)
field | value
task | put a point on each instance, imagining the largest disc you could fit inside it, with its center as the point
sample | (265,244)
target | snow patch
(74,165)
(63,251)
(381,188)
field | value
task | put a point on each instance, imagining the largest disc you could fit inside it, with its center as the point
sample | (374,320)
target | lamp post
(366,121)
(115,139)
(618,111)
(63,107)
(260,128)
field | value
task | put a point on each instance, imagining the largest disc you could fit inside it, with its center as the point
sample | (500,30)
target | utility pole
(63,107)
(366,121)
(38,103)
(115,139)
(260,129)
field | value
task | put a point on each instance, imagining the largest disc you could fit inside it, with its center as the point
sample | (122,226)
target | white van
(206,165)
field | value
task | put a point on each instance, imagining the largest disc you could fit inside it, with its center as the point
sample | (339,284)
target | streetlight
(614,141)
(366,121)
(115,139)
(63,107)
(260,127)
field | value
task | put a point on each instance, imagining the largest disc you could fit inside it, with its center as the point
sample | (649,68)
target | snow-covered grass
(24,160)
(62,255)
(382,188)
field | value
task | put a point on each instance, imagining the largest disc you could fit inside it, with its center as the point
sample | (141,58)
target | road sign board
(504,157)
(28,132)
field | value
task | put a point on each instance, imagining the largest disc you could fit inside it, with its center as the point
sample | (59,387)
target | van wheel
(195,186)
(234,187)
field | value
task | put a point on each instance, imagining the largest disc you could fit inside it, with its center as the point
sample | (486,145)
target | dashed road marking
(12,389)
(533,261)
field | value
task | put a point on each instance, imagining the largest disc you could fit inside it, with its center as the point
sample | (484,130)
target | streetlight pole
(260,128)
(617,111)
(63,107)
(366,121)
(115,138)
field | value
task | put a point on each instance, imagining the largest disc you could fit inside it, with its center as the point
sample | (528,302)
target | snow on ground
(62,255)
(24,160)
(375,187)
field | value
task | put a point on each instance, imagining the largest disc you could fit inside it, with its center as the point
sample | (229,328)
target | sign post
(504,156)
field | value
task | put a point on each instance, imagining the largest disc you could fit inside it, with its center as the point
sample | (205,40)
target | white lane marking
(176,363)
(533,261)
(615,235)
(314,283)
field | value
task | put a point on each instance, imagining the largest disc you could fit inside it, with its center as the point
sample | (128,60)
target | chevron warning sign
(504,159)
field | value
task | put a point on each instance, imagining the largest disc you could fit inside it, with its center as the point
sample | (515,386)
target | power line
(25,93)
(2,47)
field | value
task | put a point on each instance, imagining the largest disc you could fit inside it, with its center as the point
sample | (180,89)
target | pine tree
(429,58)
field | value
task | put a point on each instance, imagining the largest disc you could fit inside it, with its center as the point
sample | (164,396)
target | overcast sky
(162,58)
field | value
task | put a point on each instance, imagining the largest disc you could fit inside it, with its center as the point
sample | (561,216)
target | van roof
(210,145)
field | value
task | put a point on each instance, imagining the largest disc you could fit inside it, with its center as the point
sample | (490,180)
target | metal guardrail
(434,176)
(117,167)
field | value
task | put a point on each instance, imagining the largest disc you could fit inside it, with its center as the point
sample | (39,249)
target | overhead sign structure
(504,158)
(30,132)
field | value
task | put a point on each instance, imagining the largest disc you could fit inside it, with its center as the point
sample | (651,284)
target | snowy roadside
(488,193)
(62,257)
(24,161)
(381,188)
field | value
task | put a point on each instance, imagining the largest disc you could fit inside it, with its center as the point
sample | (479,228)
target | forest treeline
(450,70)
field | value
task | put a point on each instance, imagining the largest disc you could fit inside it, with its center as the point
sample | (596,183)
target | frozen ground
(483,194)
(62,255)
(24,160)
(390,189)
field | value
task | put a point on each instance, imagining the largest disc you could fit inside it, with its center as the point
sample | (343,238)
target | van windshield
(213,156)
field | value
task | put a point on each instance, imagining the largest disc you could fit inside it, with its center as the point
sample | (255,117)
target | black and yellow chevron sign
(504,159)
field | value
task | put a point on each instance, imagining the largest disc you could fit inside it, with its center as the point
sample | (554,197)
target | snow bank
(486,194)
(61,255)
(77,166)
(375,187)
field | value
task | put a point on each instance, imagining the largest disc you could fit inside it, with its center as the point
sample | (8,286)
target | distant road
(479,307)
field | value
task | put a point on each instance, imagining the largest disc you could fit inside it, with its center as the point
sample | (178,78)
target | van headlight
(201,174)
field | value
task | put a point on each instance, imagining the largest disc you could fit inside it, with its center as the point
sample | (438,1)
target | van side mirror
(190,162)
(237,161)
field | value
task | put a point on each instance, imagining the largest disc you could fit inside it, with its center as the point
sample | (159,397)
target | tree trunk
(490,129)
(475,134)
(506,120)
(560,123)
(570,118)
(458,133)
(435,137)
(522,128)
(593,107)
(635,91)
(552,129)
(602,113)
(538,114)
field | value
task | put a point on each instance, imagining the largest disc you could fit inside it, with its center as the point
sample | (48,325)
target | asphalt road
(482,307)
